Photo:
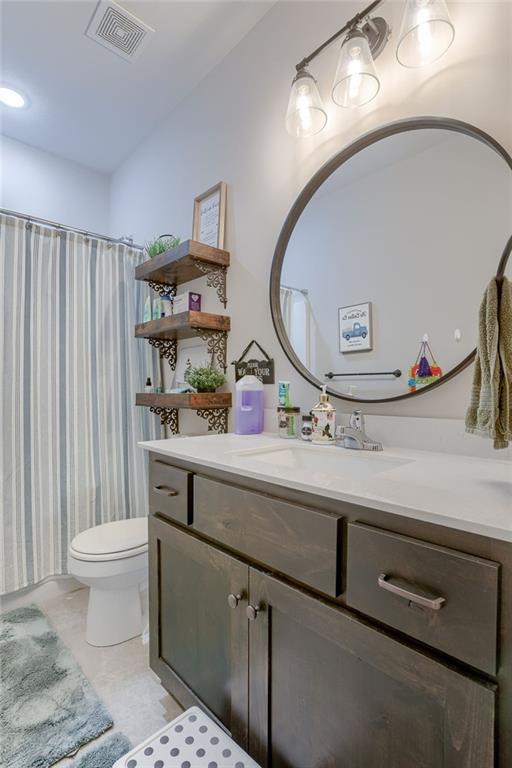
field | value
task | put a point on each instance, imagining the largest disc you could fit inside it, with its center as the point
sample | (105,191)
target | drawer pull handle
(164,490)
(401,589)
(233,599)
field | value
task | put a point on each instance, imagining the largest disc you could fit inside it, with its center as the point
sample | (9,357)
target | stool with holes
(191,740)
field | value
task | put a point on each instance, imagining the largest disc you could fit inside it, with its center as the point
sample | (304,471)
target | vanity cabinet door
(199,639)
(326,690)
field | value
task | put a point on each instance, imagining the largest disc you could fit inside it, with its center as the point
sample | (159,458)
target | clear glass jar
(306,432)
(288,422)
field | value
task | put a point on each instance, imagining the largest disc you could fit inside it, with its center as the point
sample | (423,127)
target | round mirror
(382,262)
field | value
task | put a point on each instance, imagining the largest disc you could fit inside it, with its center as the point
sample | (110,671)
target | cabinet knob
(252,612)
(233,600)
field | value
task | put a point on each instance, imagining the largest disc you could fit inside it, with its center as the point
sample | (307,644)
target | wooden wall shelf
(165,332)
(212,406)
(182,326)
(192,400)
(186,262)
(164,273)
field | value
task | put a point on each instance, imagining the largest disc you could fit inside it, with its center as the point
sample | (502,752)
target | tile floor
(120,674)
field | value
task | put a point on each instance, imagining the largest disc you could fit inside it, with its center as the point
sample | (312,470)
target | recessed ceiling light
(11,98)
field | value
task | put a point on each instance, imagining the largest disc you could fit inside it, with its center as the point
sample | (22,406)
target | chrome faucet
(354,436)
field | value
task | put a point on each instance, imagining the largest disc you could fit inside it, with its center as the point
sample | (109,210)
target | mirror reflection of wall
(415,224)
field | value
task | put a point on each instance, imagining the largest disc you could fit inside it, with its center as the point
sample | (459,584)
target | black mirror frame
(392,129)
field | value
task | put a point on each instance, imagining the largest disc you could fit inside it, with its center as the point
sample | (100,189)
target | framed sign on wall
(210,216)
(355,327)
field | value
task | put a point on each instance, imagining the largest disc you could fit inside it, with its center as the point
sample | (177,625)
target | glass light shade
(356,82)
(426,32)
(305,115)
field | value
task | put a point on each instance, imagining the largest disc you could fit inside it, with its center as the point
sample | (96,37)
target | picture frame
(193,350)
(209,220)
(355,327)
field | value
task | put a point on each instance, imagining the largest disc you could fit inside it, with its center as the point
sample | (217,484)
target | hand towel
(489,414)
(504,421)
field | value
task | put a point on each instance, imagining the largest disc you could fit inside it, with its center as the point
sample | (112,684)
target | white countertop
(461,492)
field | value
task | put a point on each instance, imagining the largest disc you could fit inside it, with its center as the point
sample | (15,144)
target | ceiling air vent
(118,30)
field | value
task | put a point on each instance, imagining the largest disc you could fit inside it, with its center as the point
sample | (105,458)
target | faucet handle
(356,420)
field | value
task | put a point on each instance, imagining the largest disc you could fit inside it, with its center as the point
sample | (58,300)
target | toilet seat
(111,541)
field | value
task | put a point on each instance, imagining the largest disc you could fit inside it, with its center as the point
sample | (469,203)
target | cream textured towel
(489,412)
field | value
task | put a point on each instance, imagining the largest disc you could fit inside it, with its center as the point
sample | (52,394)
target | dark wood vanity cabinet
(199,639)
(298,678)
(327,689)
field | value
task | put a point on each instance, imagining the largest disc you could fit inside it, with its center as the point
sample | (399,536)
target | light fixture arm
(357,19)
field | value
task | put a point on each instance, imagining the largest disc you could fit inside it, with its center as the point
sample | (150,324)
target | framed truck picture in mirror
(355,327)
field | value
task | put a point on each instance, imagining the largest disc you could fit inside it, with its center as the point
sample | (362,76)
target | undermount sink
(328,460)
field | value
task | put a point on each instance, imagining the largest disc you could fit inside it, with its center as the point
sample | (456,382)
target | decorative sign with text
(262,369)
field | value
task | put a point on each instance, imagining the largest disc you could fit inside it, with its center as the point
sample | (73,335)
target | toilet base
(113,615)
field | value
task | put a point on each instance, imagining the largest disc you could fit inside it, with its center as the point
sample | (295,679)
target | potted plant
(205,378)
(161,244)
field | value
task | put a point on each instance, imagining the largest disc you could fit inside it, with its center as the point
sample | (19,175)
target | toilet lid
(112,538)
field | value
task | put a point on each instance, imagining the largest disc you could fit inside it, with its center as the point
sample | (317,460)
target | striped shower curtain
(70,368)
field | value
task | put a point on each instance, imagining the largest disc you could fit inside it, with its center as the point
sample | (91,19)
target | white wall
(232,128)
(41,184)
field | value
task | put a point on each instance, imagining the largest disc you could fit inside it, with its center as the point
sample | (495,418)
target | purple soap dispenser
(249,406)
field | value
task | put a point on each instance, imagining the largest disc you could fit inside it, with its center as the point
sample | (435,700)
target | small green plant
(205,378)
(161,244)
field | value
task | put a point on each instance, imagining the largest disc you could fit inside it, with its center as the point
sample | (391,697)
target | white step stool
(191,740)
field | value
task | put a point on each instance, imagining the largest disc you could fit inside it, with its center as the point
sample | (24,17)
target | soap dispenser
(324,419)
(249,412)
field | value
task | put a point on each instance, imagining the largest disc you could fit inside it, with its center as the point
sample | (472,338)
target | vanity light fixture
(306,114)
(356,82)
(12,98)
(426,34)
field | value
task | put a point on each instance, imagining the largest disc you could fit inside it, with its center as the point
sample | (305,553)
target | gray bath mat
(48,709)
(106,753)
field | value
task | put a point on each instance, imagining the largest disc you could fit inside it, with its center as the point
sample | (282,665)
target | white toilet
(112,560)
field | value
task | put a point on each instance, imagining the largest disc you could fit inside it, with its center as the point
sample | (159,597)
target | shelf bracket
(164,288)
(215,278)
(216,342)
(168,417)
(217,419)
(168,349)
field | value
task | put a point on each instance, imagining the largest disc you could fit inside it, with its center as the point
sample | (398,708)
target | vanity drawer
(170,490)
(446,599)
(297,541)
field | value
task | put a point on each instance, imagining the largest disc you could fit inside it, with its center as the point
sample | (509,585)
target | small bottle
(149,385)
(324,420)
(157,308)
(166,305)
(283,394)
(147,310)
(306,432)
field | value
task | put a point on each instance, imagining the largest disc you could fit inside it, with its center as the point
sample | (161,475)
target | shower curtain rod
(56,225)
(304,291)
